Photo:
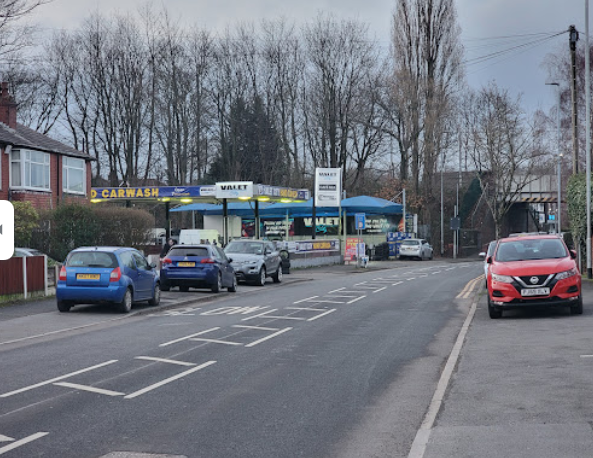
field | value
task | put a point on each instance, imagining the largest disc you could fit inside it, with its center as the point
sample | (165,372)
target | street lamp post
(559,178)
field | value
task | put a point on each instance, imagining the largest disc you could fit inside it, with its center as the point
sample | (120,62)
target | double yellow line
(469,288)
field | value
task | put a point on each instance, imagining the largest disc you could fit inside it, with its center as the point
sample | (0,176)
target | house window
(29,169)
(73,175)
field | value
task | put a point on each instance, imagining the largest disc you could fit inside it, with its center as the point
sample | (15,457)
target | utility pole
(573,38)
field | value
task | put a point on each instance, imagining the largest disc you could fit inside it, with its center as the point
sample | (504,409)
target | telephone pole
(573,38)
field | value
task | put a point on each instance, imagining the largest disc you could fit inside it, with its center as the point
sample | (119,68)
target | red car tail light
(208,261)
(167,261)
(115,274)
(63,273)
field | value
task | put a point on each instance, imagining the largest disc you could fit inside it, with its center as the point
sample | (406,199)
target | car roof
(193,245)
(109,249)
(530,236)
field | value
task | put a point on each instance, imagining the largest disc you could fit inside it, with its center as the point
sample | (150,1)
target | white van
(197,236)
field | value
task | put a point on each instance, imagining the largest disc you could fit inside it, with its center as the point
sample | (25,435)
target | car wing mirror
(152,265)
(573,254)
(482,254)
(230,260)
(489,260)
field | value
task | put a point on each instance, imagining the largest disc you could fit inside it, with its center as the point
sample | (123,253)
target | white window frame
(22,169)
(66,167)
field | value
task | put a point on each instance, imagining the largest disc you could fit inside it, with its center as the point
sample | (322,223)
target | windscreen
(411,242)
(189,251)
(530,250)
(244,248)
(91,259)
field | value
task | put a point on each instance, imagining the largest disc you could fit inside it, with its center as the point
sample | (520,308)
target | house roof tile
(25,137)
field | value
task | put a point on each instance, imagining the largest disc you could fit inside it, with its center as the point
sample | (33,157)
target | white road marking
(353,292)
(354,300)
(305,300)
(165,360)
(282,331)
(423,434)
(26,440)
(322,314)
(224,342)
(168,380)
(437,272)
(259,315)
(53,380)
(259,328)
(380,289)
(413,278)
(586,356)
(187,337)
(317,301)
(337,290)
(397,283)
(90,389)
(5,438)
(340,295)
(234,310)
(311,309)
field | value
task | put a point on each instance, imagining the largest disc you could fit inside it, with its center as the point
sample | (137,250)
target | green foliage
(576,198)
(125,226)
(26,219)
(72,226)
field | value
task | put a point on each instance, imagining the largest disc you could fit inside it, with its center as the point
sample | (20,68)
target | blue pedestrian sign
(360,219)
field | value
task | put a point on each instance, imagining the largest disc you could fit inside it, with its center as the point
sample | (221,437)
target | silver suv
(254,260)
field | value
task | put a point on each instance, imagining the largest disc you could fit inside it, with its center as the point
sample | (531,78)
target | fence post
(25,276)
(45,275)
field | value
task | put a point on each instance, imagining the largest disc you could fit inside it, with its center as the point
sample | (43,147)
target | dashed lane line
(166,344)
(90,389)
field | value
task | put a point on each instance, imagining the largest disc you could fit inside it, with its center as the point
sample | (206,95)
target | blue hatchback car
(117,275)
(198,266)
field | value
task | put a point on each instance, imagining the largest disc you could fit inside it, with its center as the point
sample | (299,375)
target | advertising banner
(234,189)
(328,187)
(351,245)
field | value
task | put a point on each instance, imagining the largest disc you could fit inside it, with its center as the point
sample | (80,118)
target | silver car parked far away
(415,248)
(254,260)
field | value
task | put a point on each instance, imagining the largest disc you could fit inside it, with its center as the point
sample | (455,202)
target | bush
(127,226)
(72,226)
(26,220)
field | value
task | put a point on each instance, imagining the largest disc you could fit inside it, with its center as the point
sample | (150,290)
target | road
(330,366)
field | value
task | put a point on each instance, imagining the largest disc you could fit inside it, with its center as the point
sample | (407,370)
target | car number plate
(88,276)
(186,264)
(535,292)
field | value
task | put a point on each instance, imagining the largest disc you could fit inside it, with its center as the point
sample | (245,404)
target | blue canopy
(233,208)
(371,205)
(360,204)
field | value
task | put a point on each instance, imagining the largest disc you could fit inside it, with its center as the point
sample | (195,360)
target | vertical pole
(573,38)
(45,281)
(225,222)
(314,220)
(559,207)
(588,135)
(25,289)
(167,221)
(344,234)
(257,224)
(404,208)
(442,214)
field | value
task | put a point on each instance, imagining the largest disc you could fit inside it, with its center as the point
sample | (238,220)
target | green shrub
(26,220)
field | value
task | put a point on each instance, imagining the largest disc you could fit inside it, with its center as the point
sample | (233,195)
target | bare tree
(14,37)
(505,149)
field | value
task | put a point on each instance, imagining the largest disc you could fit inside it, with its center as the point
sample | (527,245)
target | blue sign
(360,219)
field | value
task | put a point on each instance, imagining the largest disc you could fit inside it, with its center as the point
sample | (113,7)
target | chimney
(7,107)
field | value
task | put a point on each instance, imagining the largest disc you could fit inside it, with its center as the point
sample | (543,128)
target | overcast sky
(481,21)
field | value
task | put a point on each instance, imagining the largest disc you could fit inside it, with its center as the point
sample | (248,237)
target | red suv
(533,270)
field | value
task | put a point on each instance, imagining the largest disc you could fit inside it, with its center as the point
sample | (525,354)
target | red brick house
(37,168)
